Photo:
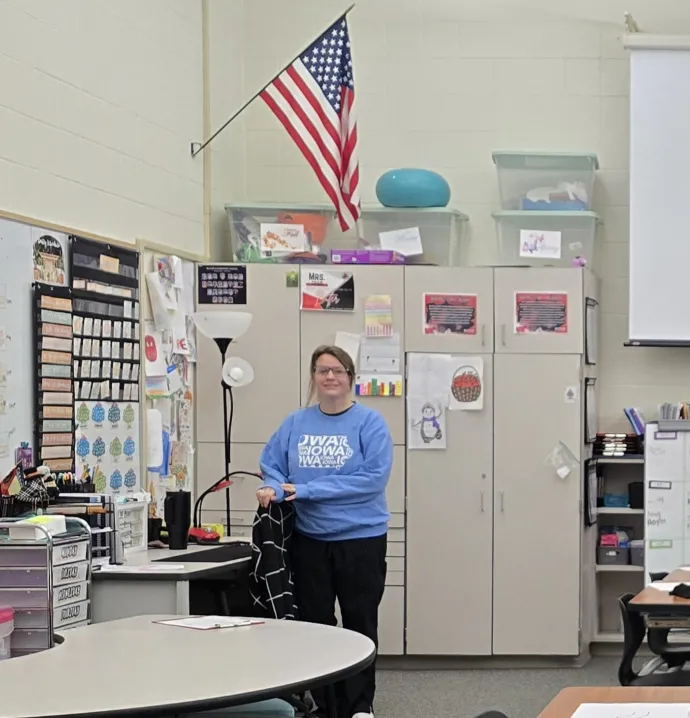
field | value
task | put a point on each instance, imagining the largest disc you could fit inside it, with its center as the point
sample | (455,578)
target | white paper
(429,375)
(540,244)
(663,586)
(154,358)
(349,343)
(159,301)
(466,383)
(426,422)
(188,283)
(208,623)
(180,345)
(632,710)
(148,568)
(380,356)
(154,438)
(282,238)
(407,242)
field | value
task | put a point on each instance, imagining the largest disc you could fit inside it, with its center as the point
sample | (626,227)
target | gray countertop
(148,565)
(133,655)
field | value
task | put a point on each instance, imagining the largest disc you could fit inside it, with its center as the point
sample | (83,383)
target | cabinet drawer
(19,598)
(396,535)
(392,622)
(395,578)
(69,553)
(241,518)
(395,549)
(70,594)
(30,618)
(73,613)
(70,573)
(25,556)
(397,521)
(241,531)
(395,563)
(72,626)
(30,640)
(23,578)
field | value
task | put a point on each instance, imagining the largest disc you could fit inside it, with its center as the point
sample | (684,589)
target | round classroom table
(135,666)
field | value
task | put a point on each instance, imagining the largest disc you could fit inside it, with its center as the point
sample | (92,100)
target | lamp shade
(237,372)
(222,325)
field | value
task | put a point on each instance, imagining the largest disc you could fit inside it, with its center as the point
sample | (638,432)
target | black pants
(354,573)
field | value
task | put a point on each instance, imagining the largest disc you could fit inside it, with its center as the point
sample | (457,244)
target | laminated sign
(327,290)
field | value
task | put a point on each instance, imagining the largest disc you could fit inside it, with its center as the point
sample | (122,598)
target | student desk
(661,609)
(131,591)
(569,699)
(134,665)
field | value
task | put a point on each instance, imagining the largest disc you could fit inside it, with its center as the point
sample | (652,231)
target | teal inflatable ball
(412,188)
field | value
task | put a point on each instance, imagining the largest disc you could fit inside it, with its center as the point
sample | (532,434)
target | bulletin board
(28,253)
(169,374)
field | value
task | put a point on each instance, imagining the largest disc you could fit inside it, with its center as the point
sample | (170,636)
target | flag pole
(197,147)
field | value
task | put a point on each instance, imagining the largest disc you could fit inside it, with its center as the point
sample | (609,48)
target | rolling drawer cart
(47,581)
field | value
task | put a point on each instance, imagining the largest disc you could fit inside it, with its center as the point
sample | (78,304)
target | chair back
(633,636)
(658,576)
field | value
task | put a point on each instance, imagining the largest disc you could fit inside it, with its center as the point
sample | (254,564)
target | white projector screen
(660,195)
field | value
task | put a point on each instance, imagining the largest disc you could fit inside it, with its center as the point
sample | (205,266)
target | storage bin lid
(272,207)
(535,216)
(572,161)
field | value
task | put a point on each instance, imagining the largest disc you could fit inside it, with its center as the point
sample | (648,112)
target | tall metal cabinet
(474,526)
(279,344)
(478,513)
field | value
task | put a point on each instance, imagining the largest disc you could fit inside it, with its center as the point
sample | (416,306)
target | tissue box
(366,256)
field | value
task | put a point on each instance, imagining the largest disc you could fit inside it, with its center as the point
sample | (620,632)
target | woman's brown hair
(337,353)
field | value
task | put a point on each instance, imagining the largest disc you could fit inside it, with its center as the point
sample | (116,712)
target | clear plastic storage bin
(442,231)
(546,181)
(261,232)
(546,239)
(254,227)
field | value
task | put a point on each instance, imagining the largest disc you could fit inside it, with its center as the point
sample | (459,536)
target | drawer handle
(501,494)
(483,335)
(481,503)
(503,334)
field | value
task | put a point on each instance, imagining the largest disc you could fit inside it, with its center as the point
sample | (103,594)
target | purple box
(366,256)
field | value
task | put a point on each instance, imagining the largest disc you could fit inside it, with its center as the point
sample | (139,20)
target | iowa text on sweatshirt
(340,465)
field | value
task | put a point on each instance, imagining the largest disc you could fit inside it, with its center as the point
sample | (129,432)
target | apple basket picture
(466,386)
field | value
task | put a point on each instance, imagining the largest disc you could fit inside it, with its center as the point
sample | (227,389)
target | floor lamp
(223,327)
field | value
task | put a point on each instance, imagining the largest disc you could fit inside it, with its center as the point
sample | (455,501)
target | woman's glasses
(324,370)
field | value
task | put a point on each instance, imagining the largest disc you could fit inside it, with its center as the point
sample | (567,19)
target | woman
(333,459)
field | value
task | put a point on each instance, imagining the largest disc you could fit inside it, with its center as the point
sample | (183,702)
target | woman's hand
(265,495)
(289,489)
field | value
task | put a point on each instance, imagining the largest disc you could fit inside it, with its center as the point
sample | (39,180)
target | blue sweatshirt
(340,464)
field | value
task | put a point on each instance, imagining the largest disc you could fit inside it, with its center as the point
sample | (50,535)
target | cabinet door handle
(483,335)
(481,503)
(503,334)
(500,498)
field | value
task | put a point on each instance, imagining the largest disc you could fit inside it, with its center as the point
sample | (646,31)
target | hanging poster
(222,284)
(155,363)
(383,385)
(450,313)
(467,384)
(426,423)
(49,256)
(107,446)
(327,290)
(378,315)
(541,312)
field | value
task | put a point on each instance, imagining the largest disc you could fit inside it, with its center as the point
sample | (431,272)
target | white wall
(99,102)
(441,84)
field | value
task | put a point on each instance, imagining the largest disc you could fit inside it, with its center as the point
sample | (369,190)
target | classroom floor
(519,693)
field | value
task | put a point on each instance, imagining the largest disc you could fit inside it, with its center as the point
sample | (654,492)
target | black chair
(492,714)
(674,654)
(633,636)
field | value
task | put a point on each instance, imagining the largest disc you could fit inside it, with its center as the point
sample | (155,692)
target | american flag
(314,99)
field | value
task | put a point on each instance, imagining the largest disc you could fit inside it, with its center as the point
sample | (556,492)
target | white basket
(131,523)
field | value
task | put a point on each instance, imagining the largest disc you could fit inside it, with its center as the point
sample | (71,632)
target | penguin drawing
(429,427)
